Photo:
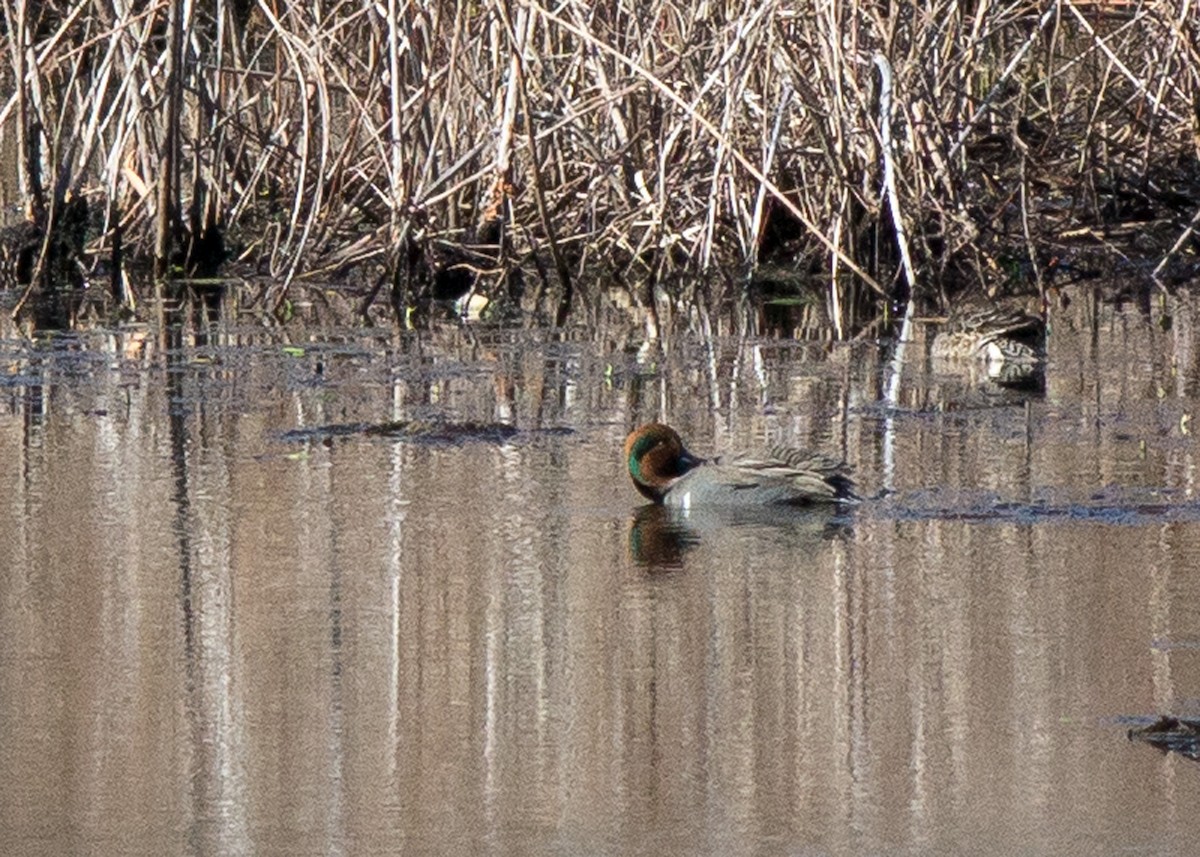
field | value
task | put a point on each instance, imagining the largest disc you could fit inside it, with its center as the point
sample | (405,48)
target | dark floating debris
(419,431)
(441,432)
(1171,734)
(1126,508)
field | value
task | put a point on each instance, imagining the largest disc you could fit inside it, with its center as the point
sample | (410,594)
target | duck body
(991,332)
(1005,343)
(664,471)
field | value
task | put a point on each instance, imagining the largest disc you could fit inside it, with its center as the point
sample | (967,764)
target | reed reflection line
(213,666)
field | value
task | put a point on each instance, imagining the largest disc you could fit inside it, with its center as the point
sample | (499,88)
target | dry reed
(677,149)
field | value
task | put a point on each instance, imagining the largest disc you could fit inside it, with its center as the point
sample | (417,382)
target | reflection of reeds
(587,145)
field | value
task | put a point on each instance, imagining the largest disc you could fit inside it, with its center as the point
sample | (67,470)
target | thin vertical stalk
(168,178)
(892,390)
(395,133)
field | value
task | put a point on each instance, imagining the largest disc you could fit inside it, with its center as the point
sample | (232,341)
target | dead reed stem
(643,147)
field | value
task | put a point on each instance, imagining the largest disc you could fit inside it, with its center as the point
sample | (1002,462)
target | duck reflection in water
(661,536)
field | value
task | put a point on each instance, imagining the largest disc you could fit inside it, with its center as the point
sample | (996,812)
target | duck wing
(794,475)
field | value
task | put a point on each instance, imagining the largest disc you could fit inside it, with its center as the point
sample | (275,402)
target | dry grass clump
(551,150)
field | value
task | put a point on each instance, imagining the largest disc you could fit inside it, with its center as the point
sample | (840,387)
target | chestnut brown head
(656,458)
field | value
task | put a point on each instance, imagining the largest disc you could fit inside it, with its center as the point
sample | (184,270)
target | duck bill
(687,461)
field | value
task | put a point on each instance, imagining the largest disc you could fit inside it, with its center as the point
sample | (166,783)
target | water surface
(219,638)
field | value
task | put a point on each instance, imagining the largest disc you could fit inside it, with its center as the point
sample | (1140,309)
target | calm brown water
(218,640)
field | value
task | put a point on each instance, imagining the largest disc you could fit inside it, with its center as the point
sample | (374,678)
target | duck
(664,471)
(995,333)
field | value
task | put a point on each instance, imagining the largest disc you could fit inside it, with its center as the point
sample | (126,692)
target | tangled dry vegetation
(549,153)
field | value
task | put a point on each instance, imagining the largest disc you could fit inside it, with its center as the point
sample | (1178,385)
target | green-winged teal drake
(664,471)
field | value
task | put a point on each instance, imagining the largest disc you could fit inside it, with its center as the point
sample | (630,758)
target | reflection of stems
(177,430)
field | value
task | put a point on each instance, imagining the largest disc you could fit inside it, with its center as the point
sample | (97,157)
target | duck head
(656,458)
